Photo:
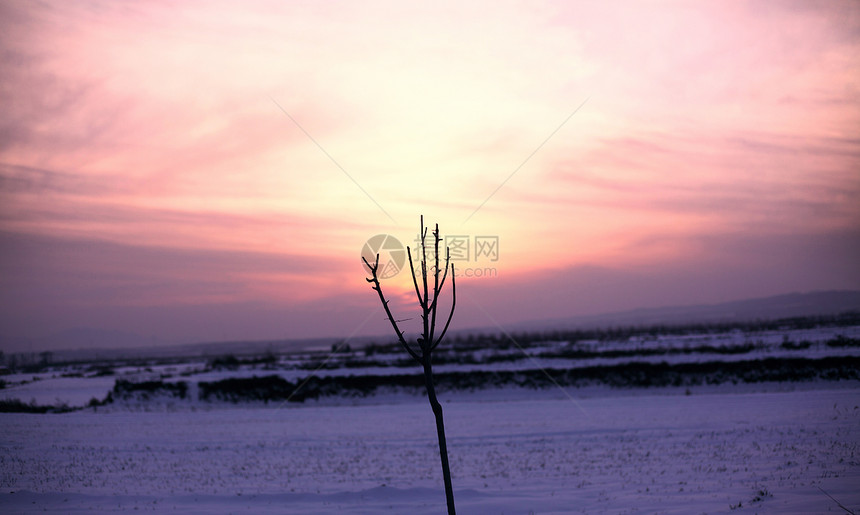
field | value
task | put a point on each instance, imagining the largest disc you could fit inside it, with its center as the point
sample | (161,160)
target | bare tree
(424,345)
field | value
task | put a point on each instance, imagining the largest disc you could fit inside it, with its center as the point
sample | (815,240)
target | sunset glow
(210,170)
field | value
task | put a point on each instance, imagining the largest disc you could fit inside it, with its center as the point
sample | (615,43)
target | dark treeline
(274,388)
(468,342)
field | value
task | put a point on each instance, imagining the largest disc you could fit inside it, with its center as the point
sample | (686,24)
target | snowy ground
(733,449)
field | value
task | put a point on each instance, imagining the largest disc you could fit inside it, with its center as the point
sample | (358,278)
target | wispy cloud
(765,177)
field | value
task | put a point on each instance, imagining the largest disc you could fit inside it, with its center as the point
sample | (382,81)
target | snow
(761,450)
(711,448)
(47,390)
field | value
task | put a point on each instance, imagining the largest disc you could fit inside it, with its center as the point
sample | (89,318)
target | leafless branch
(374,280)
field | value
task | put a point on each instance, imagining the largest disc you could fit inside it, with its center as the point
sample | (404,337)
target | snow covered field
(731,449)
(76,384)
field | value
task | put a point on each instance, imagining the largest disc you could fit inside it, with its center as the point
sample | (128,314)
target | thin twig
(436,290)
(425,307)
(453,304)
(414,280)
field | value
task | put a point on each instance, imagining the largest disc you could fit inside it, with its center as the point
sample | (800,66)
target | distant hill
(89,350)
(779,306)
(90,344)
(89,338)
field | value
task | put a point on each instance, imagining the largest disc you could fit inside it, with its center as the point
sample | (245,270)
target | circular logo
(392,254)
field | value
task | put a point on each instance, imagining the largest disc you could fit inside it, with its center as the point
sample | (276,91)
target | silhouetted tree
(424,345)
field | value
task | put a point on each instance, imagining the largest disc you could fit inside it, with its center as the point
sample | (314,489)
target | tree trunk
(440,431)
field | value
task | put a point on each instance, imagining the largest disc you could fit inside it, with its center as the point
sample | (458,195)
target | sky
(209,171)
